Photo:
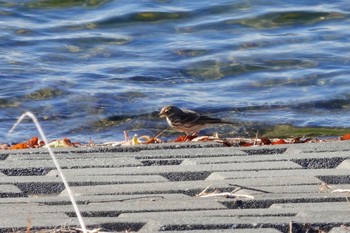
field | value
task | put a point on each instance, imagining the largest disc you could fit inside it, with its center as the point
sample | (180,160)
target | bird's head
(169,111)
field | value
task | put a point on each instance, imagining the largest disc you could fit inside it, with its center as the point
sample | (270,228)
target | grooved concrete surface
(154,188)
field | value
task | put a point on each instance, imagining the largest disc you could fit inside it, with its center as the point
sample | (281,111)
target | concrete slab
(85,200)
(273,173)
(300,156)
(153,188)
(200,168)
(273,181)
(35,220)
(69,163)
(187,187)
(10,190)
(51,185)
(342,229)
(265,230)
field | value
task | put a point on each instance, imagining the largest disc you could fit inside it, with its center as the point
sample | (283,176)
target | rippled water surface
(94,68)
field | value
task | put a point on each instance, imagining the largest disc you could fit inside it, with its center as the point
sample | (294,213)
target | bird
(188,121)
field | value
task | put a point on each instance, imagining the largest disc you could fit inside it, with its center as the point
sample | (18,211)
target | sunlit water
(94,68)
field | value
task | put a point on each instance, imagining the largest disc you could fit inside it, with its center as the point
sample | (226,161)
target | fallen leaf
(201,138)
(61,143)
(281,141)
(153,140)
(4,146)
(206,139)
(135,140)
(246,144)
(180,139)
(345,137)
(300,140)
(67,142)
(32,143)
(185,138)
(265,141)
(19,146)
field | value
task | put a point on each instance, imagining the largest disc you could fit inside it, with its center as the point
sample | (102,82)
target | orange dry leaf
(153,140)
(180,139)
(281,141)
(345,137)
(185,138)
(19,146)
(67,143)
(32,143)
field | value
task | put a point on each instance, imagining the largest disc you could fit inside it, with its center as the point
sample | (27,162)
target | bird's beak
(161,114)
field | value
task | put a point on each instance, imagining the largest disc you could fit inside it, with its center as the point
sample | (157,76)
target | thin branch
(253,189)
(225,194)
(341,191)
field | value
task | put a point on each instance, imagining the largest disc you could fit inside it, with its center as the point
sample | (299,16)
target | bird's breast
(169,122)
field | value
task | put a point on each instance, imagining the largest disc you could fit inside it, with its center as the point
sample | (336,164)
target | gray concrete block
(9,190)
(153,188)
(277,173)
(67,155)
(252,230)
(12,221)
(321,206)
(187,187)
(71,163)
(86,179)
(53,200)
(343,229)
(344,165)
(249,166)
(271,181)
(191,153)
(114,208)
(266,158)
(227,213)
(50,184)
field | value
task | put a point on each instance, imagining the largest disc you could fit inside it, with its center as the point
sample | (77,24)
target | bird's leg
(190,136)
(186,137)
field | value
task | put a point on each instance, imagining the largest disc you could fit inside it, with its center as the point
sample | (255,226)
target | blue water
(94,68)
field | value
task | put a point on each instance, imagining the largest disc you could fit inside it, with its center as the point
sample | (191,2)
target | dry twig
(216,193)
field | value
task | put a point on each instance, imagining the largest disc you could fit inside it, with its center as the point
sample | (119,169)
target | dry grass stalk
(54,159)
(216,193)
(345,191)
(290,227)
(29,224)
(341,191)
(324,188)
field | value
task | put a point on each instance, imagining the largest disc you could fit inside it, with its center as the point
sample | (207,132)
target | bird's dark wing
(194,117)
(208,120)
(190,116)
